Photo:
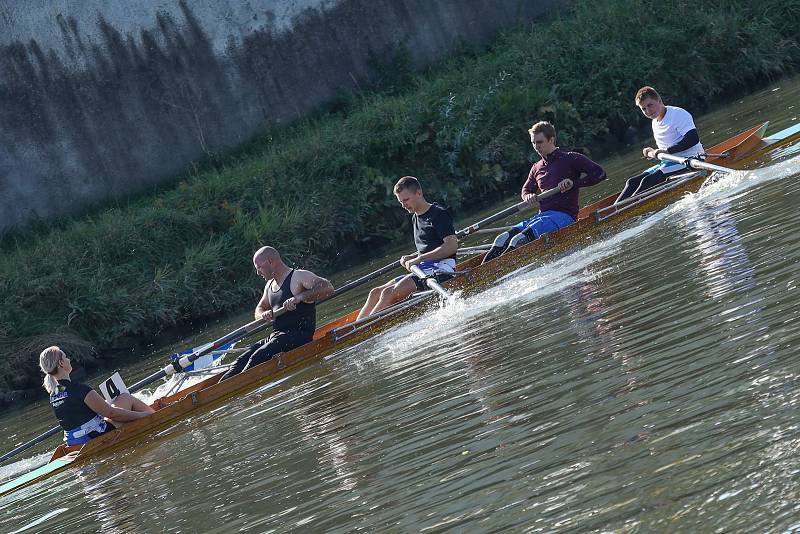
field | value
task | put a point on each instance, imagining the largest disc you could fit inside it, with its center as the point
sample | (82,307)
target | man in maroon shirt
(569,171)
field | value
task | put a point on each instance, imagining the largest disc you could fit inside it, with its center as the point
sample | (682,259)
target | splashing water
(530,283)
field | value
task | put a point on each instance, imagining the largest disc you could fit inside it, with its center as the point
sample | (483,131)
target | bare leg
(373,298)
(395,293)
(129,402)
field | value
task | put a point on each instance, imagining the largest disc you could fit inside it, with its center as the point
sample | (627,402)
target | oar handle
(693,163)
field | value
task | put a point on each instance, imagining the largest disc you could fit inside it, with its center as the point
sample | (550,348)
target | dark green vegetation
(320,190)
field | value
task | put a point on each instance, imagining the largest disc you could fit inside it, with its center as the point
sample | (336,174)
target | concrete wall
(101,98)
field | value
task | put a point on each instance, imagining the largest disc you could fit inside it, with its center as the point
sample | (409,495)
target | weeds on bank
(320,190)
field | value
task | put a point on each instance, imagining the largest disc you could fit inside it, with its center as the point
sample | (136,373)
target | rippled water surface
(646,382)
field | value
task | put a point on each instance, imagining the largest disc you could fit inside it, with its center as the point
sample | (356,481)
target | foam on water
(733,185)
(9,471)
(177,382)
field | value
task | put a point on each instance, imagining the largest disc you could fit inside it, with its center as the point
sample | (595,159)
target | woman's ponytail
(48,363)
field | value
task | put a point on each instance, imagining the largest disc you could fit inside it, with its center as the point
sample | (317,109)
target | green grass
(319,190)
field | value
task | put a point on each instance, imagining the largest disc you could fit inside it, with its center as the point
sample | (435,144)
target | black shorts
(439,277)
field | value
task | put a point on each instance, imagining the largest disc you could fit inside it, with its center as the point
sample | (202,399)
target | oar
(694,163)
(500,215)
(492,230)
(31,443)
(366,278)
(184,362)
(240,333)
(477,249)
(431,282)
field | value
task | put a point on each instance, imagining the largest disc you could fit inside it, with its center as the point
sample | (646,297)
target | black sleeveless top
(68,404)
(303,320)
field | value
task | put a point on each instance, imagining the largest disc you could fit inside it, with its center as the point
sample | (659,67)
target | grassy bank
(320,190)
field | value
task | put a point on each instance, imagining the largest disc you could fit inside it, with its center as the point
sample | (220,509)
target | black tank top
(303,320)
(68,404)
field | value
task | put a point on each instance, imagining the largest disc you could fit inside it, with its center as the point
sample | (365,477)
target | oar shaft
(493,218)
(240,333)
(492,230)
(366,278)
(431,282)
(31,443)
(475,250)
(694,163)
(471,229)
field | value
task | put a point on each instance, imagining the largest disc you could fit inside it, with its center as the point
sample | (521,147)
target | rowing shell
(595,219)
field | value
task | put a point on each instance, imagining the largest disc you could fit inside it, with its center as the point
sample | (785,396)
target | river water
(647,382)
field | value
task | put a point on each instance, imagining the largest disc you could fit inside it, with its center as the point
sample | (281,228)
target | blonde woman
(81,411)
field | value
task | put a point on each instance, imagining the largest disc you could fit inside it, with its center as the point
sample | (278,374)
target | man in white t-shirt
(674,132)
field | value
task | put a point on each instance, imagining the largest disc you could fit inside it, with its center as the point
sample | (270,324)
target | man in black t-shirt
(436,244)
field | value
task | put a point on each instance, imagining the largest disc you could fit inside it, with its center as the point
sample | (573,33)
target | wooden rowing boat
(596,219)
(603,216)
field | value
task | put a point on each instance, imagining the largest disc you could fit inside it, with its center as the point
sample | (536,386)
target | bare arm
(312,288)
(263,306)
(99,406)
(448,248)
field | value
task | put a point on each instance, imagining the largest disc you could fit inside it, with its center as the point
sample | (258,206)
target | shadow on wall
(139,110)
(99,120)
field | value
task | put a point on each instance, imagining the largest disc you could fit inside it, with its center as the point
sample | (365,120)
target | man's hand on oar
(408,260)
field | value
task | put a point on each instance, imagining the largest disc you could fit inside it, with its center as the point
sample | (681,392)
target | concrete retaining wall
(102,98)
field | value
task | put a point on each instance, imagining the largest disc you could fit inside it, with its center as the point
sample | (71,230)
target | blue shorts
(545,222)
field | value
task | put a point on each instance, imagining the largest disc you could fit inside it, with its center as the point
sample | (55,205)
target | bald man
(294,289)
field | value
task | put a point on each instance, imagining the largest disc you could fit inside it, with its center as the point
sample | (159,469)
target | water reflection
(322,426)
(724,264)
(104,496)
(649,383)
